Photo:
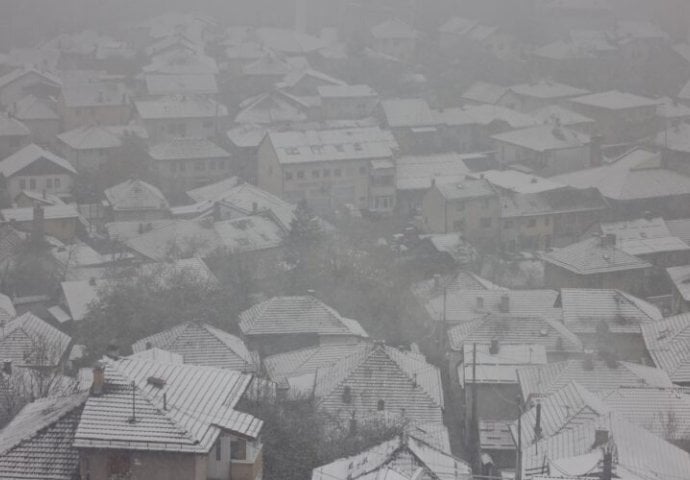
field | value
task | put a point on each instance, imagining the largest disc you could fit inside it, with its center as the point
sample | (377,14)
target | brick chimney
(98,384)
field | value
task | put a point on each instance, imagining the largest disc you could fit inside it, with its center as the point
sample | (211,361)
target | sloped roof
(204,84)
(393,28)
(518,182)
(674,138)
(29,340)
(484,92)
(201,344)
(31,107)
(289,41)
(485,115)
(500,367)
(641,236)
(557,115)
(544,380)
(28,155)
(20,72)
(180,107)
(590,257)
(186,237)
(457,25)
(408,112)
(11,127)
(585,309)
(186,148)
(465,189)
(88,137)
(182,62)
(462,280)
(272,107)
(95,94)
(417,172)
(213,191)
(346,91)
(468,305)
(37,443)
(403,379)
(135,194)
(668,343)
(680,276)
(513,329)
(79,294)
(544,138)
(614,100)
(403,457)
(199,404)
(545,89)
(294,315)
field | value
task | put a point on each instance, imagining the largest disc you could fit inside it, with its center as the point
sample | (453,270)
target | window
(338,172)
(315,174)
(458,225)
(362,170)
(238,449)
(357,147)
(292,151)
(199,165)
(218,451)
(347,395)
(339,148)
(532,222)
(32,184)
(49,183)
(300,174)
(56,183)
(326,173)
(207,123)
(485,222)
(380,405)
(288,175)
(22,184)
(118,463)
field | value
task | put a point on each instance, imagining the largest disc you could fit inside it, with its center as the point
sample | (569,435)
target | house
(675,148)
(38,442)
(377,381)
(589,447)
(38,114)
(667,343)
(24,81)
(539,220)
(36,169)
(76,297)
(29,342)
(470,128)
(93,103)
(636,182)
(60,221)
(91,147)
(403,457)
(413,123)
(181,62)
(282,324)
(561,116)
(13,135)
(529,97)
(469,206)
(135,200)
(435,287)
(608,320)
(171,117)
(451,33)
(508,328)
(395,38)
(183,84)
(184,163)
(620,117)
(329,168)
(272,108)
(415,174)
(538,382)
(192,440)
(649,239)
(547,150)
(680,279)
(595,262)
(202,344)
(347,102)
(303,86)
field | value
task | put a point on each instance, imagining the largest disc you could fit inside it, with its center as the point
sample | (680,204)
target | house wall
(269,173)
(182,175)
(527,233)
(631,281)
(90,159)
(22,86)
(73,117)
(495,401)
(348,108)
(169,128)
(43,132)
(552,162)
(12,143)
(59,184)
(412,142)
(94,465)
(401,48)
(619,126)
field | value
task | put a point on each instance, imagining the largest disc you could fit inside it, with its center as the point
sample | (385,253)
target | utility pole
(474,427)
(607,470)
(518,459)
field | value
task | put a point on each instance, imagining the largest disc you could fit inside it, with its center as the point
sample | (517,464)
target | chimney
(437,281)
(7,367)
(537,424)
(504,306)
(595,155)
(38,225)
(494,347)
(601,437)
(98,379)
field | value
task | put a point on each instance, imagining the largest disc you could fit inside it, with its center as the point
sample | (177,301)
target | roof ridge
(427,367)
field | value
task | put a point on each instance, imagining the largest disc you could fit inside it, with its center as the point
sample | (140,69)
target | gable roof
(135,194)
(408,112)
(29,340)
(20,72)
(180,107)
(641,236)
(668,343)
(95,94)
(557,115)
(269,108)
(294,315)
(591,256)
(585,309)
(90,137)
(185,414)
(614,100)
(37,443)
(544,89)
(418,172)
(543,380)
(306,361)
(401,458)
(193,84)
(185,149)
(28,155)
(544,138)
(10,127)
(393,29)
(201,344)
(680,276)
(484,92)
(31,107)
(500,367)
(375,371)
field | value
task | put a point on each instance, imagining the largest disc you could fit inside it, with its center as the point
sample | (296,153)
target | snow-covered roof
(28,155)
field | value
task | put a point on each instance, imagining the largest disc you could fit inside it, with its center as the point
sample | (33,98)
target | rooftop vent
(156,381)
